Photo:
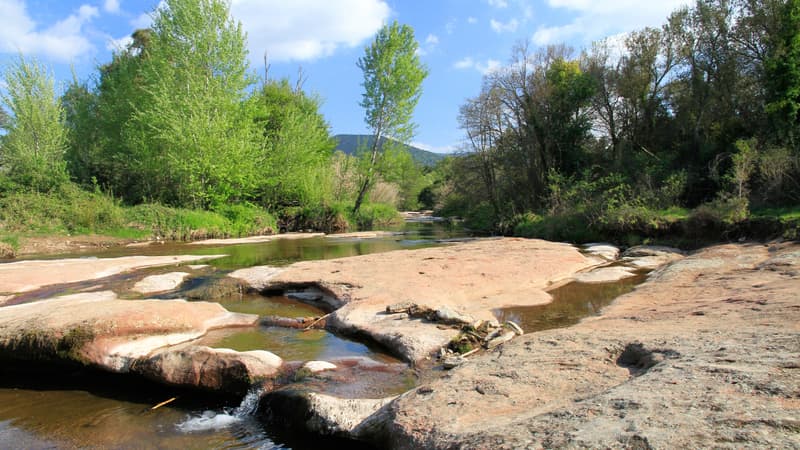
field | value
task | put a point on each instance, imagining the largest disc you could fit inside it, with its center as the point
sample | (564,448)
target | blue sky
(460,40)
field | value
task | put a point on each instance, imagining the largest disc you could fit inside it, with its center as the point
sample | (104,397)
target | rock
(7,251)
(317,413)
(469,279)
(651,257)
(501,339)
(160,283)
(24,276)
(214,369)
(298,323)
(644,373)
(401,307)
(257,278)
(453,361)
(605,274)
(449,316)
(318,366)
(257,239)
(216,289)
(606,251)
(99,330)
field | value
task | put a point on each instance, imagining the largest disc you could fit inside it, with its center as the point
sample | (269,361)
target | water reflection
(571,303)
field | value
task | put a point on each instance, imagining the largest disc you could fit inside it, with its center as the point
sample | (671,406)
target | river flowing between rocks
(74,408)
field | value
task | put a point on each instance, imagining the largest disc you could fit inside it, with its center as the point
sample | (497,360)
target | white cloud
(595,19)
(491,65)
(144,20)
(433,148)
(119,44)
(450,26)
(111,6)
(307,29)
(432,39)
(507,27)
(498,3)
(63,41)
(472,20)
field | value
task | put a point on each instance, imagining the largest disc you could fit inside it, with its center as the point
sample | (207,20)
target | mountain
(348,143)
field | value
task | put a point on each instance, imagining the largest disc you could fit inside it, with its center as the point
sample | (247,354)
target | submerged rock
(605,275)
(606,251)
(319,366)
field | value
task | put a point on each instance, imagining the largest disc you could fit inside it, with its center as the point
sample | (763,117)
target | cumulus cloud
(308,29)
(111,6)
(487,67)
(472,20)
(498,3)
(119,44)
(63,41)
(433,148)
(594,19)
(504,27)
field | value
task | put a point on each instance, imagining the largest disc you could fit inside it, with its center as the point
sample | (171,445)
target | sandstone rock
(606,274)
(99,330)
(471,279)
(453,361)
(216,289)
(215,369)
(318,413)
(318,366)
(501,339)
(646,372)
(449,316)
(160,283)
(257,239)
(24,276)
(652,250)
(606,251)
(514,327)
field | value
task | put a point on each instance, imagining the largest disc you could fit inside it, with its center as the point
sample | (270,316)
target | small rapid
(212,420)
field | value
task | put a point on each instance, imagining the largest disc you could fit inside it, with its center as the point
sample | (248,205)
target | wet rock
(160,283)
(257,278)
(514,327)
(449,316)
(299,323)
(318,366)
(318,413)
(216,289)
(214,369)
(640,251)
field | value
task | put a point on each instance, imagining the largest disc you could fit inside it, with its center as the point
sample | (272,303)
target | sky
(460,42)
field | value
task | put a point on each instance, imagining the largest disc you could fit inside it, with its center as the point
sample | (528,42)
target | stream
(80,408)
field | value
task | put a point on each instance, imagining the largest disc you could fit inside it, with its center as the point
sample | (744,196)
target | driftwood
(317,322)
(299,323)
(165,402)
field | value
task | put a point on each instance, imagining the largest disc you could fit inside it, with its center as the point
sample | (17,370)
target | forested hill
(348,143)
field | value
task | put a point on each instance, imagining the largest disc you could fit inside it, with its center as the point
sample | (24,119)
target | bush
(372,215)
(723,211)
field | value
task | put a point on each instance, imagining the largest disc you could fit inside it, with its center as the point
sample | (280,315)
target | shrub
(720,212)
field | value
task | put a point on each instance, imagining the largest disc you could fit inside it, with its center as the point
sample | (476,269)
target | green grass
(73,211)
(787,213)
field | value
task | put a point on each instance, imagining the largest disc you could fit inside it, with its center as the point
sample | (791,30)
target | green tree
(295,143)
(32,151)
(393,76)
(782,73)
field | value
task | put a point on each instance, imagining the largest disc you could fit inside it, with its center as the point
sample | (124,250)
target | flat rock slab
(100,330)
(160,283)
(471,278)
(603,250)
(24,276)
(605,275)
(257,239)
(704,354)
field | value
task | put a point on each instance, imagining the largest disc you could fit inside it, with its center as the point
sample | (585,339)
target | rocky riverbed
(705,353)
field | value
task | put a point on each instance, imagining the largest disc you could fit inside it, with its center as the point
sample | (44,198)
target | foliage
(393,76)
(32,150)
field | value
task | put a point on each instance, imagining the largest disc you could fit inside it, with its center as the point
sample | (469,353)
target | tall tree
(393,76)
(782,70)
(32,151)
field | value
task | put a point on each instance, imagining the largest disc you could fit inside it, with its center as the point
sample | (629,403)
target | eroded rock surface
(468,279)
(100,330)
(705,354)
(24,276)
(160,283)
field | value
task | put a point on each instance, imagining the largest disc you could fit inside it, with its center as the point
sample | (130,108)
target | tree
(782,70)
(393,76)
(32,151)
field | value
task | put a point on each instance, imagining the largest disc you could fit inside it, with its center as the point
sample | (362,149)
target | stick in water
(316,322)
(165,402)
